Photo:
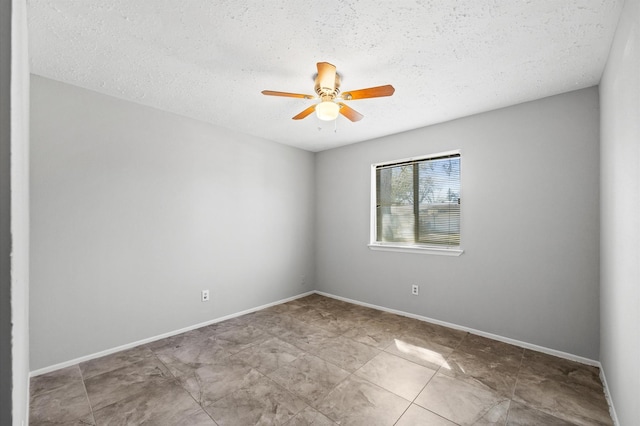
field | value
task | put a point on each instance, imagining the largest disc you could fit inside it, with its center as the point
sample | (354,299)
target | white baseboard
(515,342)
(607,394)
(158,337)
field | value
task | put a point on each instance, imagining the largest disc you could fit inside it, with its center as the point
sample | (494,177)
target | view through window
(418,202)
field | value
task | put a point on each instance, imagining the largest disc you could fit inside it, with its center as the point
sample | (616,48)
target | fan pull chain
(321,128)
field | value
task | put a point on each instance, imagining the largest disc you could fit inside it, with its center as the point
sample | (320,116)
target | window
(416,204)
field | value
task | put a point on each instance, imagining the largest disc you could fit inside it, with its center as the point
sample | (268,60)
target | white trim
(519,343)
(417,249)
(419,158)
(374,244)
(158,337)
(372,206)
(607,395)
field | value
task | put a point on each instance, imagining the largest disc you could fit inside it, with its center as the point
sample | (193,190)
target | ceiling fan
(327,87)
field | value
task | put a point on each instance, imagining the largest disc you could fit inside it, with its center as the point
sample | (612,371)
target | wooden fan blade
(305,113)
(371,92)
(286,94)
(350,113)
(326,75)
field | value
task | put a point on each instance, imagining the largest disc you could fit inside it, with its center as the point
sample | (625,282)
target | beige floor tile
(185,358)
(311,417)
(178,340)
(345,353)
(200,418)
(435,333)
(125,382)
(305,336)
(521,415)
(264,402)
(67,404)
(55,379)
(212,382)
(492,372)
(371,335)
(284,308)
(463,403)
(418,416)
(269,355)
(310,377)
(335,322)
(572,402)
(305,314)
(397,375)
(356,401)
(114,361)
(273,323)
(218,328)
(164,404)
(240,338)
(473,344)
(420,350)
(562,370)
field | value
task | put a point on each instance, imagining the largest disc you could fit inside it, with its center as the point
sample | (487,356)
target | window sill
(417,249)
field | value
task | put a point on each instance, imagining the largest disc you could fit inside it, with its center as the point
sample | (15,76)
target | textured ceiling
(210,59)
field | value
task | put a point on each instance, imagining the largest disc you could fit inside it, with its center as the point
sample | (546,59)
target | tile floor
(320,361)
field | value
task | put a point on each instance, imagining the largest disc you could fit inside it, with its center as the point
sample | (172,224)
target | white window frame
(409,248)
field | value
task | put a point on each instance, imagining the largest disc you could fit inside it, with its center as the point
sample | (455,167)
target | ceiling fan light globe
(327,110)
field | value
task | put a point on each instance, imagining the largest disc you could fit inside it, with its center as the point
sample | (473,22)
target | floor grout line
(84,386)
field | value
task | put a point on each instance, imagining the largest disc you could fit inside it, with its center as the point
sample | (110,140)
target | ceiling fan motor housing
(327,92)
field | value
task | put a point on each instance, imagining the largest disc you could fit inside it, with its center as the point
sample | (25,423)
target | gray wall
(5,214)
(135,211)
(530,223)
(620,216)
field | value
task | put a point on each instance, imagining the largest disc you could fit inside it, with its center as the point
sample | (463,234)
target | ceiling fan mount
(327,88)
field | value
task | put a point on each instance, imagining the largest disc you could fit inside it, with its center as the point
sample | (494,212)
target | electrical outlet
(415,290)
(205,295)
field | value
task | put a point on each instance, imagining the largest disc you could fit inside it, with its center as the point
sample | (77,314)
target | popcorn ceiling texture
(210,59)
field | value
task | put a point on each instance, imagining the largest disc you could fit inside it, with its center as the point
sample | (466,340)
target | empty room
(355,213)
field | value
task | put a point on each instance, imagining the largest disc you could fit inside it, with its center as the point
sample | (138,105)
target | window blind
(418,202)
